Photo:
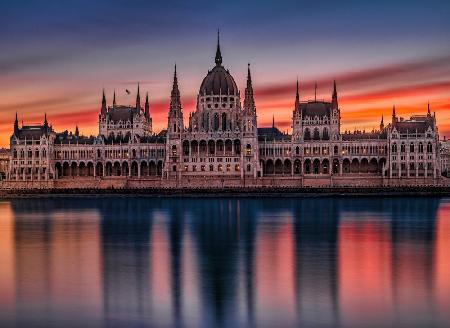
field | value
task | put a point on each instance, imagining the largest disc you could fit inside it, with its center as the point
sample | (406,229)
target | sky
(57,56)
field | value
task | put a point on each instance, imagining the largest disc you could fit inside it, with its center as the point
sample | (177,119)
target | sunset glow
(57,58)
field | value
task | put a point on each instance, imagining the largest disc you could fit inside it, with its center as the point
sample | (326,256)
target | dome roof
(218,81)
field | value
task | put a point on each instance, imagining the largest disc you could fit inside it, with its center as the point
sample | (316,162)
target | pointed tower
(249,101)
(45,123)
(218,58)
(114,99)
(147,107)
(334,101)
(394,116)
(175,128)
(297,116)
(138,100)
(382,123)
(335,113)
(103,110)
(273,121)
(429,111)
(77,131)
(16,125)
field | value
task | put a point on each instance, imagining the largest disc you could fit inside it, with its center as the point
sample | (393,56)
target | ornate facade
(222,145)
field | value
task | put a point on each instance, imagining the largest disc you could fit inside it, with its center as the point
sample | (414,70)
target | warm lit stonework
(222,146)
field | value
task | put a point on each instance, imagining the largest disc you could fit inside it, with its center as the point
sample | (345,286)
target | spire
(77,131)
(394,117)
(103,110)
(175,101)
(429,112)
(249,101)
(218,58)
(45,123)
(382,122)
(335,97)
(297,98)
(138,99)
(16,125)
(147,107)
(114,99)
(273,121)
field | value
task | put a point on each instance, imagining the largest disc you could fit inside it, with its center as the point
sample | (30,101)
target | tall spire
(429,112)
(218,58)
(297,97)
(147,107)
(335,97)
(16,125)
(273,120)
(249,101)
(114,99)
(315,91)
(175,101)
(138,99)
(103,110)
(45,123)
(77,131)
(382,122)
(394,116)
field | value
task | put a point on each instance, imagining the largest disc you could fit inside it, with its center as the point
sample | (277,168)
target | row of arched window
(412,148)
(316,134)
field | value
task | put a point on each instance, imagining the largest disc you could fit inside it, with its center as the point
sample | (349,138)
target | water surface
(225,262)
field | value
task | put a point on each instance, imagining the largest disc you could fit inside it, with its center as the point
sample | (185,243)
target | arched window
(224,121)
(325,134)
(420,148)
(307,135)
(402,148)
(316,135)
(394,148)
(411,148)
(248,149)
(216,121)
(429,148)
(249,168)
(336,150)
(174,150)
(297,150)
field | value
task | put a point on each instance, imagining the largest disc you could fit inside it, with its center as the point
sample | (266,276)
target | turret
(45,123)
(334,101)
(175,110)
(16,125)
(394,117)
(297,99)
(382,123)
(138,100)
(77,131)
(147,108)
(249,101)
(103,110)
(114,99)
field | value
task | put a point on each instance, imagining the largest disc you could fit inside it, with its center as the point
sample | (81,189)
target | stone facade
(222,146)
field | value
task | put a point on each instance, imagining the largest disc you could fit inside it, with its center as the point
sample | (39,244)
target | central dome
(219,80)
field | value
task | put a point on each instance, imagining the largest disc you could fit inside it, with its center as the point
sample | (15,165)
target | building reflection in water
(225,262)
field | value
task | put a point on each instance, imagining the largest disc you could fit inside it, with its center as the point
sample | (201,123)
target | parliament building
(222,146)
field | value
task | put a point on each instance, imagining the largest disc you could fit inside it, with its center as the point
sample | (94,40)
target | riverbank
(232,192)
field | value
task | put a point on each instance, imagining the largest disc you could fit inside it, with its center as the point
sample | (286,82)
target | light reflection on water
(228,262)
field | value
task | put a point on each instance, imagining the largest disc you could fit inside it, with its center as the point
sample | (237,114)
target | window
(248,149)
(249,168)
(174,150)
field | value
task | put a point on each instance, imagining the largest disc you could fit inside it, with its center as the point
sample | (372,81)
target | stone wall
(217,183)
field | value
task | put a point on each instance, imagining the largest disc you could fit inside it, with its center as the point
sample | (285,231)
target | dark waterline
(226,262)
